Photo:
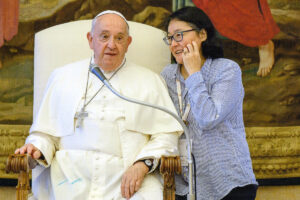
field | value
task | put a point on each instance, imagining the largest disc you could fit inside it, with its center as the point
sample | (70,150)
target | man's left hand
(133,179)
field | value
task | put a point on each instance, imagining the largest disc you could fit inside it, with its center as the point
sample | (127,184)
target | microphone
(96,70)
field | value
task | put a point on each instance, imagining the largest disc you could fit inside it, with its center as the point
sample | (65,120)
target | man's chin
(109,67)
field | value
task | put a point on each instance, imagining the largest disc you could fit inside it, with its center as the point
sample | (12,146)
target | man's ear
(90,39)
(203,35)
(129,40)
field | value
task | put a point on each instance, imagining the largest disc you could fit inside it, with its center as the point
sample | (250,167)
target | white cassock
(88,162)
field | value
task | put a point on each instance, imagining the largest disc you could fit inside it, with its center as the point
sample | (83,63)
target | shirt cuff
(154,163)
(154,166)
(194,78)
(41,144)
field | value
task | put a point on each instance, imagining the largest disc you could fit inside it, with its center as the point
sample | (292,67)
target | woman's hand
(191,58)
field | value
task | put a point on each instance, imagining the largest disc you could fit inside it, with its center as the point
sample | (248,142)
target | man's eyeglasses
(178,36)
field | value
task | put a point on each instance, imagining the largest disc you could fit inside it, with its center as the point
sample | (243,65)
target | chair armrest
(169,165)
(20,164)
(16,163)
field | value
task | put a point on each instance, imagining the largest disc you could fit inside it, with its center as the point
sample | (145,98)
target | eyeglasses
(104,37)
(178,36)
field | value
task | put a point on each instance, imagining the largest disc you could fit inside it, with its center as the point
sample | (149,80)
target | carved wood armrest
(16,163)
(19,164)
(169,165)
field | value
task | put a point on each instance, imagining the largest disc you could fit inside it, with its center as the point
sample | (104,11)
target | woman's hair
(211,47)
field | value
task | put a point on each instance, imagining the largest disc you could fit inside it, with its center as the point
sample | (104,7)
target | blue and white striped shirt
(216,125)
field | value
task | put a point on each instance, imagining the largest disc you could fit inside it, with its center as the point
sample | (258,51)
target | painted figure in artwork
(247,22)
(9,17)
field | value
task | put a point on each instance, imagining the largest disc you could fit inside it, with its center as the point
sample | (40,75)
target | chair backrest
(67,43)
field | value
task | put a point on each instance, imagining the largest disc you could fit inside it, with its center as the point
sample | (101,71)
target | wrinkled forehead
(112,22)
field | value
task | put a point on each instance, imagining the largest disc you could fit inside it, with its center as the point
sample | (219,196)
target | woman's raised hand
(191,58)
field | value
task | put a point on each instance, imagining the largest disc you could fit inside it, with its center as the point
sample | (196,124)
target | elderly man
(89,143)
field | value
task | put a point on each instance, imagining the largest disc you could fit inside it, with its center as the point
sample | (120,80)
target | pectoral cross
(185,122)
(79,116)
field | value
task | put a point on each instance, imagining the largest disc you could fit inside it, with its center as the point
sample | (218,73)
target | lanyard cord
(188,106)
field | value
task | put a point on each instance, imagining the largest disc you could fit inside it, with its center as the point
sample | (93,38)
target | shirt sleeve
(159,145)
(226,92)
(46,144)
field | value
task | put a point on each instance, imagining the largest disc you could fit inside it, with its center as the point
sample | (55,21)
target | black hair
(211,47)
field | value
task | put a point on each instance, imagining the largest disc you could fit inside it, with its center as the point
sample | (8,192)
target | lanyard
(79,116)
(184,114)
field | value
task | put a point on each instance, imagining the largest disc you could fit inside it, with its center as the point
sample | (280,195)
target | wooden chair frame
(21,164)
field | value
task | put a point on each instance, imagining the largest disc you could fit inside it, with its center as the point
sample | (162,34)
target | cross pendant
(79,116)
(186,122)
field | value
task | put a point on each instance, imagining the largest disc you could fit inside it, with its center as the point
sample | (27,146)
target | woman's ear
(203,35)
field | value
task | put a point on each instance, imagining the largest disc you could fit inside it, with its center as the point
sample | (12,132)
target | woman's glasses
(178,36)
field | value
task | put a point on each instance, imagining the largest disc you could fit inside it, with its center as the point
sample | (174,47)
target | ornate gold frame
(275,151)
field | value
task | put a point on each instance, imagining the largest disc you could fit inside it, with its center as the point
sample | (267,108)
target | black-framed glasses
(178,36)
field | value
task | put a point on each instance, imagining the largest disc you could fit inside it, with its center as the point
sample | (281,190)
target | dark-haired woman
(208,93)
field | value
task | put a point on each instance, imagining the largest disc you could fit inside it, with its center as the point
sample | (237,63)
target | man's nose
(111,43)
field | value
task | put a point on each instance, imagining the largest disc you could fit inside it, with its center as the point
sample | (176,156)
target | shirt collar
(109,72)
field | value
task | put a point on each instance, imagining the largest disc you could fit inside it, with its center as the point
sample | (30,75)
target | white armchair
(67,43)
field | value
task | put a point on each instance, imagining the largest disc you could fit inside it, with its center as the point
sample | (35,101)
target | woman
(208,93)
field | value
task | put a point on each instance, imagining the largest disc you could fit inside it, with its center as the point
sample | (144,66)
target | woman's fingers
(191,48)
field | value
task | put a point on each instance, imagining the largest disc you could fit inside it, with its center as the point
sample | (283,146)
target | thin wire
(85,104)
(195,175)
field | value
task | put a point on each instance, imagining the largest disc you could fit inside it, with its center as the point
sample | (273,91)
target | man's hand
(31,150)
(133,179)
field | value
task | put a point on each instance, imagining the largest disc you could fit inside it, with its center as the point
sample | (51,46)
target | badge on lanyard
(183,148)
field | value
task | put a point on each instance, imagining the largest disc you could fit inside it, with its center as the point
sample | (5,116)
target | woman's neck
(183,72)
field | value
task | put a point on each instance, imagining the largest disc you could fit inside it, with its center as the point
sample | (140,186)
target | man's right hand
(31,150)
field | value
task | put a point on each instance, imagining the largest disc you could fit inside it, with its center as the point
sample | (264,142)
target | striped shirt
(216,127)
